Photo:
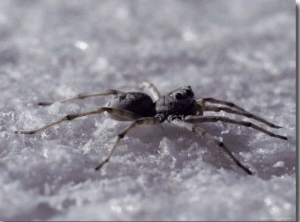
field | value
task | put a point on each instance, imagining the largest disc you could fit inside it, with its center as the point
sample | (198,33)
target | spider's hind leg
(153,90)
(118,112)
(83,96)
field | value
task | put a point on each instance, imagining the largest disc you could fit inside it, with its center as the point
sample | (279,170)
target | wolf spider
(178,107)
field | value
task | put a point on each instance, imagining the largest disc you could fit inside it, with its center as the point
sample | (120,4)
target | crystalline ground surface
(241,51)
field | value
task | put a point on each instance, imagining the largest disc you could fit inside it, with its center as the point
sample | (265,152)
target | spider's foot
(281,137)
(26,132)
(284,138)
(44,104)
(101,165)
(247,171)
(276,126)
(244,168)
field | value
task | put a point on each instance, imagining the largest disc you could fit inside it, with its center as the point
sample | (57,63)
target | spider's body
(177,107)
(177,103)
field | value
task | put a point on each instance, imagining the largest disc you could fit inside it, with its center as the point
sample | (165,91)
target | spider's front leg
(118,112)
(211,138)
(217,101)
(202,119)
(238,112)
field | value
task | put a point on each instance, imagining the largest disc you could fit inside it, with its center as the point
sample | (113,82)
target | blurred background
(235,50)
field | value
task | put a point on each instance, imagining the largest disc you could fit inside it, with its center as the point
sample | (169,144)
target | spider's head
(184,92)
(179,101)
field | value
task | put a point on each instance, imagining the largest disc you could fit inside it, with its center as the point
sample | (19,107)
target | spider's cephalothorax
(177,107)
(177,104)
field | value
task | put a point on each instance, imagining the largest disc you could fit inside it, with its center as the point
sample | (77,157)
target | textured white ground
(236,50)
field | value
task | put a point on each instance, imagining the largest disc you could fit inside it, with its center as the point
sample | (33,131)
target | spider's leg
(142,121)
(201,119)
(211,138)
(226,103)
(153,90)
(242,113)
(118,112)
(84,95)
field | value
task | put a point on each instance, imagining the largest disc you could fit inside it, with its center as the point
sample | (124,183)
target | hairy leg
(153,90)
(201,119)
(142,121)
(84,95)
(242,113)
(211,138)
(212,100)
(118,112)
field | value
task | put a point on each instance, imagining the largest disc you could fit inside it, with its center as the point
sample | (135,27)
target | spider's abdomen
(137,102)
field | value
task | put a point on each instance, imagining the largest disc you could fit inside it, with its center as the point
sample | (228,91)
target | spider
(178,107)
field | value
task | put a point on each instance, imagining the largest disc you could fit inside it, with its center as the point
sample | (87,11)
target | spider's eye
(178,96)
(189,93)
